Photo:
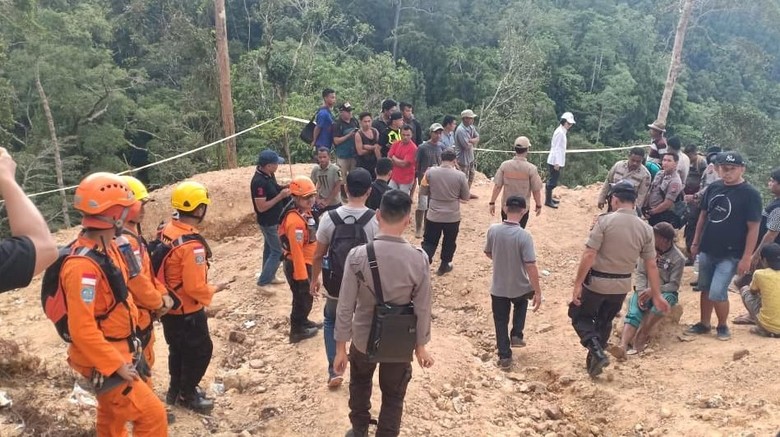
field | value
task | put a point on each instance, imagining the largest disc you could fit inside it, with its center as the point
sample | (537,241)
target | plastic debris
(81,397)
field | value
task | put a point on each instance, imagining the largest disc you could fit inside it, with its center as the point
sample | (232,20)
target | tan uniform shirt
(670,270)
(664,187)
(639,178)
(405,277)
(518,177)
(619,238)
(446,187)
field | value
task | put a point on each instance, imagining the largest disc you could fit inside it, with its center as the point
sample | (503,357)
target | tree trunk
(55,144)
(676,63)
(225,92)
(395,29)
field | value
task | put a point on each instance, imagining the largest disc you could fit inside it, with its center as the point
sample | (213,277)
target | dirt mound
(265,386)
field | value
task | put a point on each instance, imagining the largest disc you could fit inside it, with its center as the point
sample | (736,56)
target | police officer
(517,177)
(31,247)
(185,272)
(603,279)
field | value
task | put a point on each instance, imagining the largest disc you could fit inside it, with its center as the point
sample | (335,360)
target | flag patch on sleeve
(200,255)
(88,282)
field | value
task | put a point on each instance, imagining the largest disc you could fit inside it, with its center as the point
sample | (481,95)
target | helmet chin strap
(118,223)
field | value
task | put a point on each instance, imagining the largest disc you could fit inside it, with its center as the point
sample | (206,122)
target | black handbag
(393,335)
(307,133)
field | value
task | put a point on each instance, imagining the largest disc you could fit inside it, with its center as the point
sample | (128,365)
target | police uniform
(639,178)
(518,177)
(405,277)
(619,239)
(186,328)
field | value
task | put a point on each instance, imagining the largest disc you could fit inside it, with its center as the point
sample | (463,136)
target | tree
(676,62)
(225,93)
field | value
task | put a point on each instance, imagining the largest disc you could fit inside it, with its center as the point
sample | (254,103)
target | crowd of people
(339,235)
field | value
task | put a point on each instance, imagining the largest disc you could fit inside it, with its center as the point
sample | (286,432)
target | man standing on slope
(517,177)
(466,139)
(557,157)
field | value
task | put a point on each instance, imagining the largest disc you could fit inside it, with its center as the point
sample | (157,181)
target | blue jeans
(272,254)
(329,323)
(715,275)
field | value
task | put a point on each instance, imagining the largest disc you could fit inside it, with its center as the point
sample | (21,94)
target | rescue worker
(102,317)
(185,273)
(603,279)
(149,294)
(298,232)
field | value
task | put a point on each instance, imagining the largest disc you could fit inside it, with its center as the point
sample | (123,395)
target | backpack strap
(335,217)
(365,218)
(380,300)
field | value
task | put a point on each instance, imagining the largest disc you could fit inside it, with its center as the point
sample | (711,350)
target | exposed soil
(272,388)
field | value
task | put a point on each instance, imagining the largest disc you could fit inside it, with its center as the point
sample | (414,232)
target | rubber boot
(598,358)
(419,218)
(548,199)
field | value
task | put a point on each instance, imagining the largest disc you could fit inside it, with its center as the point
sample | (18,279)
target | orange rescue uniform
(302,240)
(92,322)
(186,270)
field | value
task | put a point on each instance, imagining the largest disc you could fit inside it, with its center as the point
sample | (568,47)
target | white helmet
(568,117)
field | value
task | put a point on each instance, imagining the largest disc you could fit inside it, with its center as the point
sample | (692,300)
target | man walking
(428,155)
(268,199)
(355,312)
(557,157)
(604,274)
(323,120)
(466,138)
(517,177)
(446,188)
(664,191)
(631,170)
(726,235)
(340,231)
(515,277)
(328,178)
(345,130)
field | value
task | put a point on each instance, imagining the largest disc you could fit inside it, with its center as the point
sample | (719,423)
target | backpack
(161,248)
(346,235)
(53,296)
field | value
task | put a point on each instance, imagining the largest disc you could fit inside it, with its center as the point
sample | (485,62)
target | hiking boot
(598,359)
(505,363)
(302,334)
(517,342)
(172,396)
(312,324)
(698,329)
(723,333)
(444,268)
(550,203)
(196,402)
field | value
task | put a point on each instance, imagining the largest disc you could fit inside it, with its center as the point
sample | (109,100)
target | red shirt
(405,152)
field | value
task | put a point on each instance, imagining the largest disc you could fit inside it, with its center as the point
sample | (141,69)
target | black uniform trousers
(434,232)
(189,349)
(302,300)
(593,318)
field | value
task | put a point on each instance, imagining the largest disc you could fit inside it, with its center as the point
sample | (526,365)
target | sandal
(744,319)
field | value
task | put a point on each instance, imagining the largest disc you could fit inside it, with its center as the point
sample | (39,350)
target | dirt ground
(272,388)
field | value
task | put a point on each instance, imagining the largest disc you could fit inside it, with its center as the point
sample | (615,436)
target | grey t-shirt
(446,187)
(326,179)
(511,247)
(326,226)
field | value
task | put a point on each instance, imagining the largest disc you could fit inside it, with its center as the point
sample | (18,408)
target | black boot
(312,324)
(598,358)
(196,401)
(548,199)
(172,396)
(300,334)
(354,433)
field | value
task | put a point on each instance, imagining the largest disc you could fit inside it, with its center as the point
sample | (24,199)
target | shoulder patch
(200,255)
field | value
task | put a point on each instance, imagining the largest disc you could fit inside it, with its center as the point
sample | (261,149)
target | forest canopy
(129,82)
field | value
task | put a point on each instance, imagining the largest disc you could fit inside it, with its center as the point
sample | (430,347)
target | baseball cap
(268,156)
(396,116)
(622,187)
(522,142)
(436,126)
(712,154)
(358,180)
(730,158)
(468,113)
(345,107)
(516,201)
(569,117)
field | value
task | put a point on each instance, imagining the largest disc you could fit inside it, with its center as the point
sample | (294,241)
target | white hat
(468,113)
(436,126)
(569,117)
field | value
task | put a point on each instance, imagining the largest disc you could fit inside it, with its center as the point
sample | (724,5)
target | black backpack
(53,296)
(346,235)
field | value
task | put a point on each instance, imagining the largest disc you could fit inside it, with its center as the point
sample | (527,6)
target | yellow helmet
(189,195)
(302,186)
(137,187)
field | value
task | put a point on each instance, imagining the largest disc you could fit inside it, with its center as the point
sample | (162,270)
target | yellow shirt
(767,283)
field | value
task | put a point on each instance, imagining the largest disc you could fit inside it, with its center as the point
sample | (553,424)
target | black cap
(345,107)
(396,116)
(388,104)
(516,202)
(712,154)
(622,187)
(730,158)
(358,180)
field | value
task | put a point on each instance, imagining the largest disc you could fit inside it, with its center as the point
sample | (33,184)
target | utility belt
(597,274)
(145,334)
(103,384)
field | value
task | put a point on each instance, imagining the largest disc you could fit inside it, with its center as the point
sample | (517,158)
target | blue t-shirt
(324,121)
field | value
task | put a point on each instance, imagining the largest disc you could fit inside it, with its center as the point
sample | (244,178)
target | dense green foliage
(130,82)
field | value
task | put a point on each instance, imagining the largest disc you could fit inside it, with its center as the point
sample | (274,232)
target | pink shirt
(405,152)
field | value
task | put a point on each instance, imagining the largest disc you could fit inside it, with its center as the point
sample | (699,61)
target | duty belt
(598,274)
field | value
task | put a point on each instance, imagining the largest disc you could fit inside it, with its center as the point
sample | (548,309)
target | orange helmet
(104,200)
(302,186)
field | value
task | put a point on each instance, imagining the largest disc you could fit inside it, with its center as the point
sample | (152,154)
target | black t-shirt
(17,263)
(768,220)
(264,185)
(378,188)
(729,209)
(382,127)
